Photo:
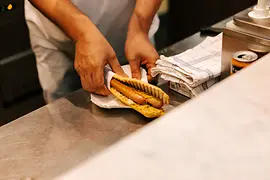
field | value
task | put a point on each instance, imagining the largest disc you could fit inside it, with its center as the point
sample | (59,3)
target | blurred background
(20,92)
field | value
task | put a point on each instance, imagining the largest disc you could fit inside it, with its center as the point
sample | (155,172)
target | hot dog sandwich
(141,96)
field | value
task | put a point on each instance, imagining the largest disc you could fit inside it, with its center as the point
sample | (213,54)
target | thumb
(102,91)
(135,68)
(116,67)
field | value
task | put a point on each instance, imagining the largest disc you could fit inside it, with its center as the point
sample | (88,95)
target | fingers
(135,68)
(98,77)
(88,84)
(150,78)
(93,81)
(98,82)
(116,67)
(149,63)
(102,91)
(97,89)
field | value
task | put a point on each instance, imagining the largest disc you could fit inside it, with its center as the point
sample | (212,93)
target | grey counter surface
(54,138)
(58,136)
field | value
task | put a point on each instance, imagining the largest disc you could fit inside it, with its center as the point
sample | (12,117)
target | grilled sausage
(128,92)
(155,102)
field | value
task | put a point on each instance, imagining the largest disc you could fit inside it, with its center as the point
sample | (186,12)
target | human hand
(140,51)
(92,54)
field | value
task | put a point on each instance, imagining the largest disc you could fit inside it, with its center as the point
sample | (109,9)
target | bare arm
(139,50)
(143,15)
(93,51)
(70,19)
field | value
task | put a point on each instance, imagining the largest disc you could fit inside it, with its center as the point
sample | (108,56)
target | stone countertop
(222,134)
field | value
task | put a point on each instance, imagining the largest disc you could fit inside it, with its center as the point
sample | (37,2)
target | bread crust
(153,95)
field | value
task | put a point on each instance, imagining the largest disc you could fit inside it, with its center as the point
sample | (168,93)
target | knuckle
(113,56)
(85,87)
(85,83)
(76,66)
(88,88)
(154,58)
(136,70)
(132,58)
(93,65)
(99,83)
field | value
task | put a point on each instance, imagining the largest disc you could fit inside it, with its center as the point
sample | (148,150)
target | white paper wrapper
(110,102)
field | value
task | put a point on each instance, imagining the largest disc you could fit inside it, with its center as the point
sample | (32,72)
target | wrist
(83,29)
(135,33)
(139,24)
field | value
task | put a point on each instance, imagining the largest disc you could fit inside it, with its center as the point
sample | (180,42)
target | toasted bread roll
(146,110)
(141,96)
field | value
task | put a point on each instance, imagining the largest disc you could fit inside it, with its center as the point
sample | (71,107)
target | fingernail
(136,77)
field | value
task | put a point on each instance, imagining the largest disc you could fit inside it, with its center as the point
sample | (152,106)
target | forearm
(143,15)
(70,19)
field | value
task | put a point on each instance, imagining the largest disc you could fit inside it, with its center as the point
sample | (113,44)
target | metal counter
(57,137)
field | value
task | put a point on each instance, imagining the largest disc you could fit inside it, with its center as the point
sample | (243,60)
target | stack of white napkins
(193,71)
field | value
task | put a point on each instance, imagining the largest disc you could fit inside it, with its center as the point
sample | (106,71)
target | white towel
(196,69)
(184,89)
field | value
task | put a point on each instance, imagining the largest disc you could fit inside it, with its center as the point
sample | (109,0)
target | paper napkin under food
(110,102)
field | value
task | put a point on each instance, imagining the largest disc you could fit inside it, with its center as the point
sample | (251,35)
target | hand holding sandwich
(93,51)
(92,54)
(139,50)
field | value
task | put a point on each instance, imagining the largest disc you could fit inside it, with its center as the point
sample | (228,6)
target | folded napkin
(184,89)
(196,69)
(110,102)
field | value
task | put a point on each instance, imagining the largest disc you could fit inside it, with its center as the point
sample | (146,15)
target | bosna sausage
(128,92)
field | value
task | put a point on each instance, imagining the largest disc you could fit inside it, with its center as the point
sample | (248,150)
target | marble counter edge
(142,152)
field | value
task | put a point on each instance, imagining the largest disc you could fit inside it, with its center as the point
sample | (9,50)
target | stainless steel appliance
(246,32)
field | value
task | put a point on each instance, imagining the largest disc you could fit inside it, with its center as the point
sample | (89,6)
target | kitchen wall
(187,17)
(162,38)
